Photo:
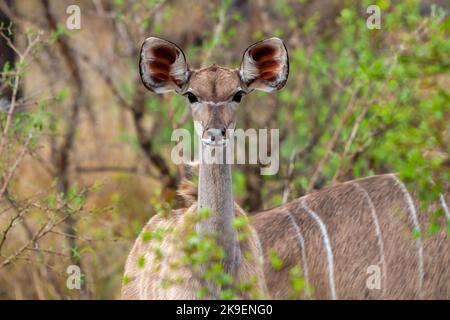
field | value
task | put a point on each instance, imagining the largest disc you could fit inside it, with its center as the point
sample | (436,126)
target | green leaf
(141,262)
(416,234)
(146,236)
(275,260)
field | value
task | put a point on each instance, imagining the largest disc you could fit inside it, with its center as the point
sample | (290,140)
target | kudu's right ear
(162,66)
(265,65)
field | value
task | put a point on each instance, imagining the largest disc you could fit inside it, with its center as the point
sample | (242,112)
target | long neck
(215,193)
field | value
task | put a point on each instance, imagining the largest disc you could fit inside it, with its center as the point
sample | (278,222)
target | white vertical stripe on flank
(415,221)
(444,206)
(301,242)
(162,275)
(159,289)
(376,223)
(260,255)
(141,283)
(327,244)
(258,245)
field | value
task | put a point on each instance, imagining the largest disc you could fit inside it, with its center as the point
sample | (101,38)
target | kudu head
(214,92)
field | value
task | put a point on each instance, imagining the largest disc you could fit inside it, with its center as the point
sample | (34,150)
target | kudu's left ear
(265,65)
(162,65)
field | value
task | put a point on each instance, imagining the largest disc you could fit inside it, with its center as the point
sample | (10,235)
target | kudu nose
(215,134)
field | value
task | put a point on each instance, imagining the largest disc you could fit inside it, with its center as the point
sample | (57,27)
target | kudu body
(353,240)
(362,239)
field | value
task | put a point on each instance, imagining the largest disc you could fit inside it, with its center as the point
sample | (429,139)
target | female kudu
(352,240)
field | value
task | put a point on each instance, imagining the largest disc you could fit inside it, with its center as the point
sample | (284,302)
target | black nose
(216,134)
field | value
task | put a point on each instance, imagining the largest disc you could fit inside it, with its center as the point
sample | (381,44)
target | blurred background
(85,149)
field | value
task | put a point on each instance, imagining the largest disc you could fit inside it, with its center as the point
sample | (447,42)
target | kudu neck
(215,193)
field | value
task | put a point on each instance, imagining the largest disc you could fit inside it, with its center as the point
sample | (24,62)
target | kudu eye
(192,98)
(238,96)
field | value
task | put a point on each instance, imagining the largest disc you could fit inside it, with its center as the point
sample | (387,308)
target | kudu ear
(162,66)
(265,65)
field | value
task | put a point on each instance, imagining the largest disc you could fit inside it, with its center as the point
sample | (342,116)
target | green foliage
(60,31)
(393,73)
(141,262)
(275,260)
(299,284)
(201,254)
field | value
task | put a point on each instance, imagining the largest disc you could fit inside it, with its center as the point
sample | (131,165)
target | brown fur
(214,83)
(345,213)
(145,283)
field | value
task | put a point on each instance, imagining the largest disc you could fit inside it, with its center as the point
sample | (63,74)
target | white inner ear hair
(178,69)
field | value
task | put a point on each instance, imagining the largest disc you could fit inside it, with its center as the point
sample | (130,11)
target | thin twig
(31,44)
(331,143)
(290,171)
(16,163)
(350,141)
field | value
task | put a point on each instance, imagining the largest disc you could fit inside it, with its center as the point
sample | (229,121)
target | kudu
(360,239)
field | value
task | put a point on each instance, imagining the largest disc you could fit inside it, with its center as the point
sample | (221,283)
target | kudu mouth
(216,137)
(209,143)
